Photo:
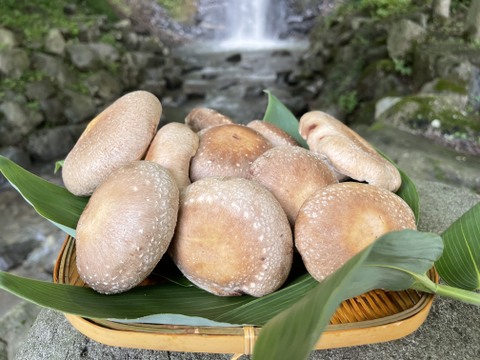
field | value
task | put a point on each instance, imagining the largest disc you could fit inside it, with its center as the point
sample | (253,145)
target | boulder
(40,90)
(51,144)
(13,62)
(16,121)
(78,107)
(55,68)
(8,40)
(104,86)
(107,53)
(403,36)
(14,328)
(55,42)
(83,56)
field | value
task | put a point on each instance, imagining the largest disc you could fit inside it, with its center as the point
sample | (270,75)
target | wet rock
(83,56)
(474,92)
(40,90)
(53,108)
(107,53)
(403,37)
(51,144)
(234,58)
(196,87)
(13,62)
(8,40)
(416,112)
(15,325)
(17,155)
(104,86)
(378,80)
(424,158)
(453,61)
(13,255)
(3,351)
(132,64)
(78,107)
(16,121)
(55,68)
(55,42)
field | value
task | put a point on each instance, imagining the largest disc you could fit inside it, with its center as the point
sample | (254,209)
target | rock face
(49,93)
(402,38)
(356,66)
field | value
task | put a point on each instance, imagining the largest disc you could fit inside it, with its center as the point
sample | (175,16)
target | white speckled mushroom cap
(232,237)
(201,118)
(126,227)
(227,150)
(340,220)
(119,134)
(272,133)
(292,174)
(347,152)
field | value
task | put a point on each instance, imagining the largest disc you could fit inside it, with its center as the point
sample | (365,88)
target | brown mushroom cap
(292,174)
(203,118)
(173,147)
(340,220)
(126,227)
(272,133)
(348,152)
(232,237)
(119,134)
(227,150)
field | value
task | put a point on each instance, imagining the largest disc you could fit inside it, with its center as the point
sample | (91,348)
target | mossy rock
(446,112)
(446,86)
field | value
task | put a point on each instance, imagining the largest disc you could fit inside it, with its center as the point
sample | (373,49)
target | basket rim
(425,298)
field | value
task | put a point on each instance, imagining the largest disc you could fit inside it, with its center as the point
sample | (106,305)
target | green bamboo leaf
(397,260)
(408,190)
(58,165)
(168,298)
(460,263)
(278,114)
(53,202)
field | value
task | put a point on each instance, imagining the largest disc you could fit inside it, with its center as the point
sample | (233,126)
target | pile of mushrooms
(228,203)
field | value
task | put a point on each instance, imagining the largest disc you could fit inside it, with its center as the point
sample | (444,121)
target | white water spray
(252,23)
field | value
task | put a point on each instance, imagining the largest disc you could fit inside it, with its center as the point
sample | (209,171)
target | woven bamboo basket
(376,316)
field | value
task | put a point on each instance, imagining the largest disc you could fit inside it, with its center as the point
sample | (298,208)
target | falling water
(252,23)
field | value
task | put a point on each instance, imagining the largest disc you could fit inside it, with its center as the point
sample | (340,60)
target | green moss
(377,126)
(18,85)
(181,10)
(379,9)
(33,19)
(443,85)
(348,101)
(429,108)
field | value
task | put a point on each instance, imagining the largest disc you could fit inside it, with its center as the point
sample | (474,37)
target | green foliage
(33,19)
(180,10)
(384,8)
(18,85)
(348,101)
(401,67)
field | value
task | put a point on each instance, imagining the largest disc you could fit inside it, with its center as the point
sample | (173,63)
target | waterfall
(252,23)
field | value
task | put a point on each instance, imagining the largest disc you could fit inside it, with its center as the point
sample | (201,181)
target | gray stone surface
(450,331)
(14,327)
